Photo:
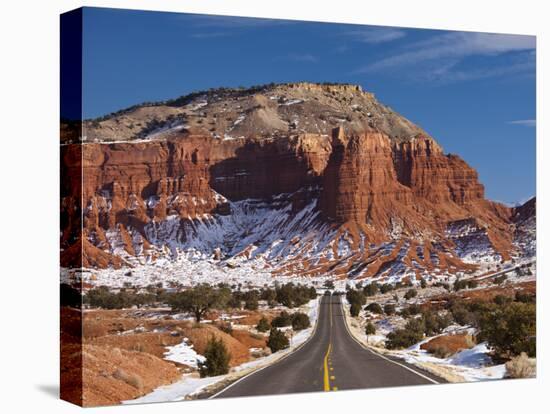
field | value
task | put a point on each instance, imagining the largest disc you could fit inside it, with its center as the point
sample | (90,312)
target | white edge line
(274,362)
(378,354)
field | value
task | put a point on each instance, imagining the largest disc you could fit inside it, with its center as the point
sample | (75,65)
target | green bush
(263,325)
(525,297)
(217,359)
(300,321)
(406,337)
(329,284)
(284,319)
(374,308)
(356,296)
(423,283)
(355,309)
(370,329)
(462,314)
(200,299)
(411,293)
(434,323)
(385,288)
(389,309)
(291,295)
(510,329)
(502,300)
(371,289)
(499,280)
(277,340)
(251,304)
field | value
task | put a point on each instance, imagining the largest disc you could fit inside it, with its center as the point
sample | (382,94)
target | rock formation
(357,188)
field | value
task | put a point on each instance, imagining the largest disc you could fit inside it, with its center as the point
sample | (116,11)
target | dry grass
(447,345)
(118,362)
(249,340)
(521,367)
(111,375)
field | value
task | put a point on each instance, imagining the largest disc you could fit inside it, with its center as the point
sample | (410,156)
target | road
(330,360)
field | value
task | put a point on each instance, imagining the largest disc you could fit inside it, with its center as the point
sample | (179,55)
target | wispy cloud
(525,122)
(376,35)
(299,57)
(439,57)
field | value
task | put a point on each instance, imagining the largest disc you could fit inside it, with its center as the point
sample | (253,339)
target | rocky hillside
(259,112)
(305,179)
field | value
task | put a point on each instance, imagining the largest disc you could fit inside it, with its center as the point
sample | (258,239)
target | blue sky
(473,92)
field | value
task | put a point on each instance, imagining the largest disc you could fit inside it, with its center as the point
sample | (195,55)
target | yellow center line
(327,377)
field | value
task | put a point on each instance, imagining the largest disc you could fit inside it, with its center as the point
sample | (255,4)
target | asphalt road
(330,360)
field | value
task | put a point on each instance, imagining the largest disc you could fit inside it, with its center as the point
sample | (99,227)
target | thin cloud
(439,56)
(525,122)
(300,57)
(455,46)
(440,72)
(377,35)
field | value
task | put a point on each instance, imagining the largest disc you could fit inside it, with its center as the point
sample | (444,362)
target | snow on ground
(184,354)
(472,364)
(190,385)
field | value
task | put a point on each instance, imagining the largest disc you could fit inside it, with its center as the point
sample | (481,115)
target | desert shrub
(423,283)
(525,297)
(277,340)
(411,293)
(472,284)
(130,379)
(329,284)
(263,325)
(235,301)
(355,309)
(521,367)
(200,299)
(291,295)
(413,309)
(441,352)
(510,329)
(217,359)
(374,308)
(370,329)
(371,289)
(385,288)
(444,285)
(461,314)
(389,309)
(356,296)
(284,319)
(406,337)
(102,297)
(499,280)
(226,327)
(502,300)
(459,285)
(268,295)
(434,323)
(300,321)
(463,284)
(251,304)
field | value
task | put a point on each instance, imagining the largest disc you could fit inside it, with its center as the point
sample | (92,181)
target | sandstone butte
(377,178)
